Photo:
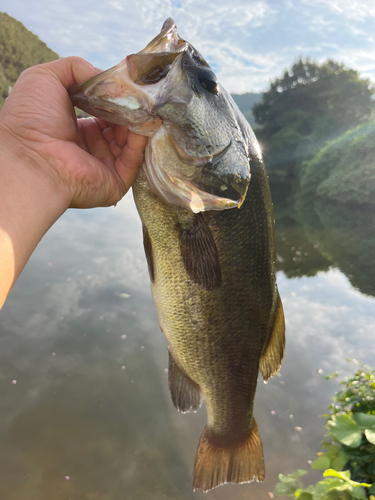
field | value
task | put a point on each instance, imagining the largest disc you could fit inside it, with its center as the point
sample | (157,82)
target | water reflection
(86,412)
(316,235)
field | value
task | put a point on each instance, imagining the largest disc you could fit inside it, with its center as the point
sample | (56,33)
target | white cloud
(350,9)
(247,43)
(328,319)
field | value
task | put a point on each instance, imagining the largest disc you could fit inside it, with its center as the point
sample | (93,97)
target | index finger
(69,70)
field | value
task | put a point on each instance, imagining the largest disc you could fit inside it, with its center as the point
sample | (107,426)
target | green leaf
(345,475)
(338,462)
(364,420)
(337,484)
(372,489)
(359,493)
(331,451)
(289,484)
(345,430)
(321,463)
(305,496)
(370,435)
(320,490)
(346,487)
(283,489)
(292,477)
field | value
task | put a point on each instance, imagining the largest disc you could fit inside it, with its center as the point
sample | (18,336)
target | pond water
(85,408)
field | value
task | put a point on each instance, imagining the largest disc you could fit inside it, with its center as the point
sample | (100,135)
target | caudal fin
(240,463)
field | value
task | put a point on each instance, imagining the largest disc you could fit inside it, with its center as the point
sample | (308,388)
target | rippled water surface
(85,407)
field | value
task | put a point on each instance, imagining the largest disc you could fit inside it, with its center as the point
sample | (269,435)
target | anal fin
(239,463)
(274,348)
(185,393)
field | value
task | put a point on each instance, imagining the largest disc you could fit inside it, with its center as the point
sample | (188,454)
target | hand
(49,161)
(90,162)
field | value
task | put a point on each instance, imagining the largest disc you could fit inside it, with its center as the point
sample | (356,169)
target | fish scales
(205,206)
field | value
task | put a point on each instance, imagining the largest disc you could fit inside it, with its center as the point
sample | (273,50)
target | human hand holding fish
(50,161)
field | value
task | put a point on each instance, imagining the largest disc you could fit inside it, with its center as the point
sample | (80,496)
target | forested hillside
(246,102)
(19,49)
(308,105)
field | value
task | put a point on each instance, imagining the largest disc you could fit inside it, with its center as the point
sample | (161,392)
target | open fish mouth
(186,163)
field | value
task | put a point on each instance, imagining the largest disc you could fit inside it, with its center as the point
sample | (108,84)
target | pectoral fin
(274,348)
(186,394)
(199,254)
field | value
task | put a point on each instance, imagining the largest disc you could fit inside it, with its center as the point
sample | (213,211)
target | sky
(247,42)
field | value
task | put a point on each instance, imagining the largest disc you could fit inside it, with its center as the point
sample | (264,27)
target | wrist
(32,175)
(30,202)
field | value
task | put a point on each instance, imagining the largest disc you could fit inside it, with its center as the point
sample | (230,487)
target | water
(85,408)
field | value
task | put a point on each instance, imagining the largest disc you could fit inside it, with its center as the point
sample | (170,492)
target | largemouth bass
(205,205)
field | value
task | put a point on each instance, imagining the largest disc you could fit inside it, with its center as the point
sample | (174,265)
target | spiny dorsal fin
(274,349)
(148,252)
(186,394)
(200,255)
(239,463)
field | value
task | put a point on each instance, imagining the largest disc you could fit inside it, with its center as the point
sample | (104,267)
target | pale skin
(50,162)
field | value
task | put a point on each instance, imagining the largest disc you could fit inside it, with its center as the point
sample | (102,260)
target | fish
(208,232)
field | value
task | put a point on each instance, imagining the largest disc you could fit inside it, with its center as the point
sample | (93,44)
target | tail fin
(240,463)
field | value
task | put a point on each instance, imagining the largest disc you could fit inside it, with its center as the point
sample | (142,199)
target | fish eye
(208,80)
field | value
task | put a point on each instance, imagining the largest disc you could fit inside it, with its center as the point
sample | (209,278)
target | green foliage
(351,429)
(333,458)
(337,486)
(309,104)
(19,49)
(287,485)
(351,423)
(357,395)
(343,170)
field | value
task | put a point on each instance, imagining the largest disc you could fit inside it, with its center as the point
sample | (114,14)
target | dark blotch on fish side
(200,255)
(148,252)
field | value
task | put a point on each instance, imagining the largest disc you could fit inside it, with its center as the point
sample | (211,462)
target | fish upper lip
(169,36)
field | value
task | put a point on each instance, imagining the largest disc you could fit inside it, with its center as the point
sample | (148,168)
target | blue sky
(248,43)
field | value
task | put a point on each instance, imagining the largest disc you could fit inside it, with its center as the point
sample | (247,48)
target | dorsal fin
(274,348)
(199,254)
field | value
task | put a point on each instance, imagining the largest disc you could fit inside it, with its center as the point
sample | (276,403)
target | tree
(308,105)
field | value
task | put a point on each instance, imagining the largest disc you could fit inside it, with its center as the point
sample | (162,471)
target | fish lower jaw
(181,192)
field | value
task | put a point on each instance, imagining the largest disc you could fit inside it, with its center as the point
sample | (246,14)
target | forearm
(49,161)
(30,202)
